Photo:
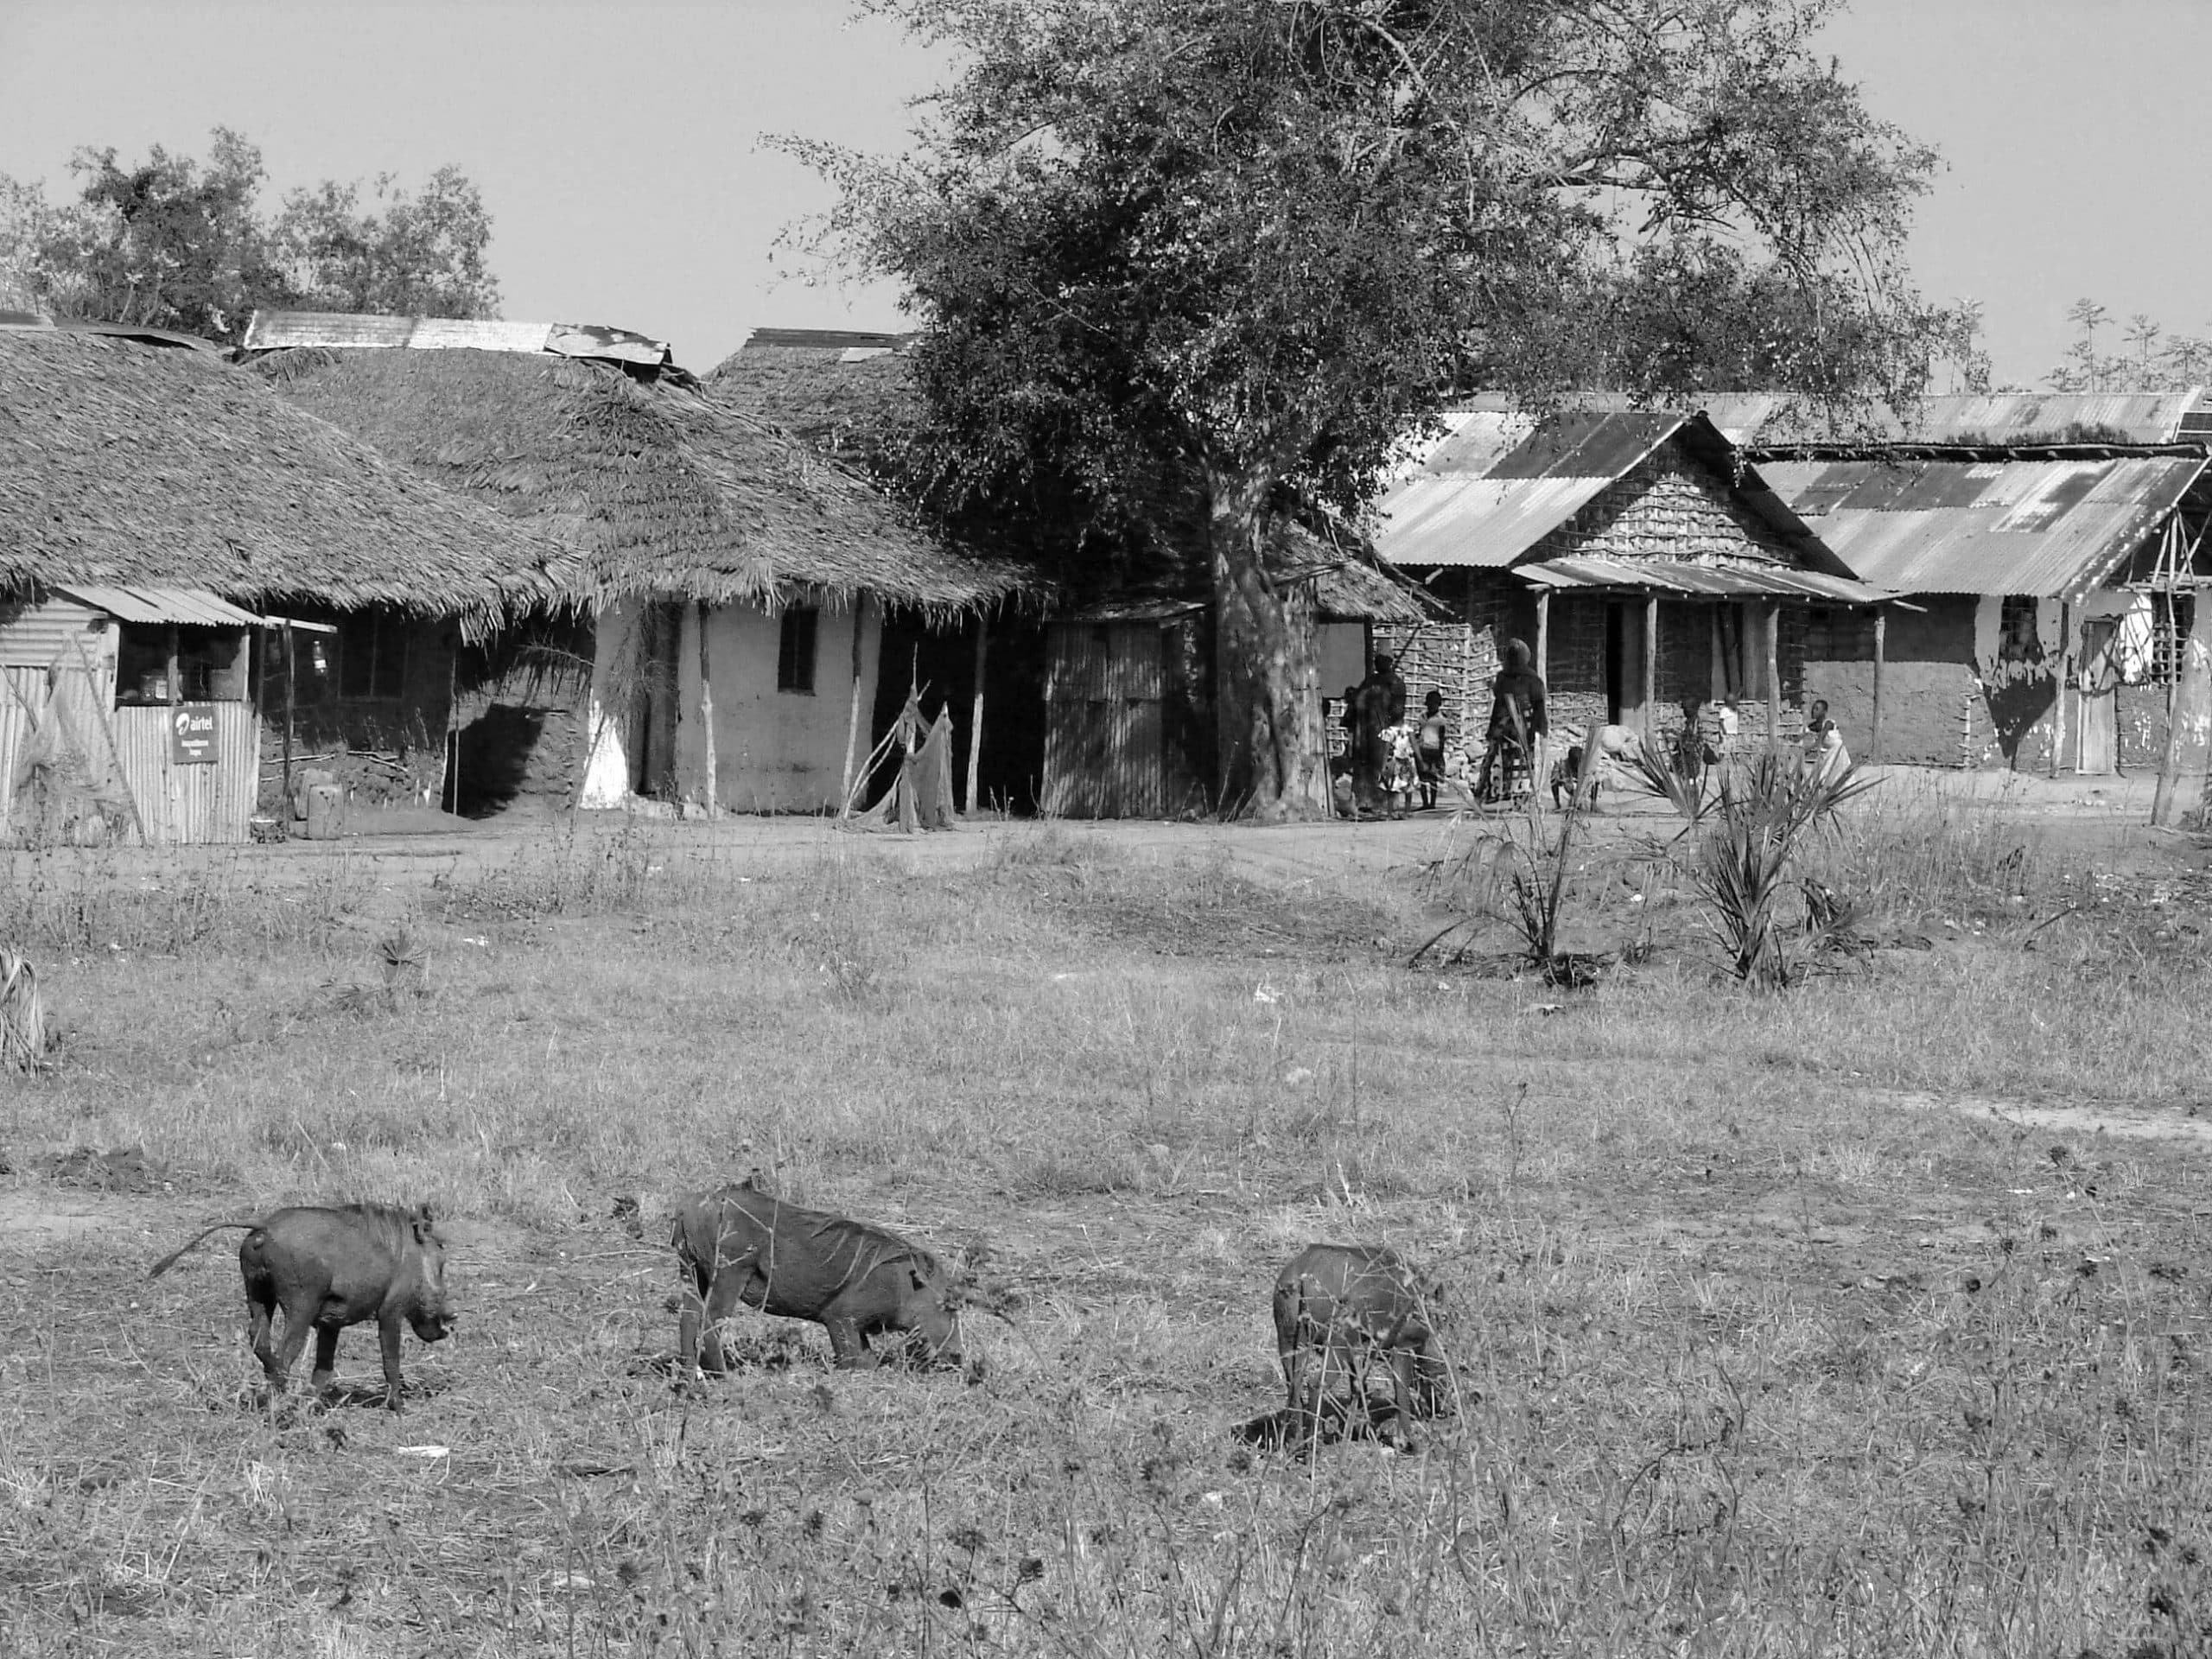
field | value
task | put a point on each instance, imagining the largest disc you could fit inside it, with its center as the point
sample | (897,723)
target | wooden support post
(976,719)
(853,719)
(176,670)
(1874,738)
(290,702)
(709,793)
(1774,675)
(1544,638)
(2058,697)
(1650,667)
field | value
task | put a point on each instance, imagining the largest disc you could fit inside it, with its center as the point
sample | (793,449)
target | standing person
(1371,747)
(1429,752)
(1825,756)
(1516,720)
(1693,755)
(1386,670)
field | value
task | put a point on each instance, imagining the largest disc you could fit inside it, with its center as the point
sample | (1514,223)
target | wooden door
(2097,697)
(1104,750)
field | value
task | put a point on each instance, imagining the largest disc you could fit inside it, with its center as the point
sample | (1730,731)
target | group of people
(1391,760)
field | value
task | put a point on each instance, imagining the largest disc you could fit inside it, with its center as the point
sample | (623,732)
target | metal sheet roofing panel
(189,606)
(1995,418)
(1483,522)
(1697,581)
(1587,445)
(2040,528)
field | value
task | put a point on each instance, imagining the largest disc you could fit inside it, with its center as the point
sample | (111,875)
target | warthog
(1345,1312)
(330,1268)
(738,1243)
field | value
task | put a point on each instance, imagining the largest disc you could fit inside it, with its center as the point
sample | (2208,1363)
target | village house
(2052,549)
(1105,702)
(727,629)
(2045,549)
(164,520)
(1641,557)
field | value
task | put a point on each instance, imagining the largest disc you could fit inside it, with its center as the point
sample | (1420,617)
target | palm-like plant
(1768,923)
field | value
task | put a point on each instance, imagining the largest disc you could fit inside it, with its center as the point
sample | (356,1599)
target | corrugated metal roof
(1701,580)
(1482,523)
(1993,418)
(1496,484)
(2040,528)
(276,330)
(191,607)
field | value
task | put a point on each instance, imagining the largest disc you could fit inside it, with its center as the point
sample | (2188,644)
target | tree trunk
(1268,749)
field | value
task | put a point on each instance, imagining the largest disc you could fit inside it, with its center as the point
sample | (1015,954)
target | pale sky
(617,146)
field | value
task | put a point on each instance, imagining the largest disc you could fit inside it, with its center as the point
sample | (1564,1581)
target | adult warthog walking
(330,1268)
(738,1243)
(1351,1322)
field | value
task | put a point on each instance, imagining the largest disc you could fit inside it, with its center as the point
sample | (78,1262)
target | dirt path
(2122,1122)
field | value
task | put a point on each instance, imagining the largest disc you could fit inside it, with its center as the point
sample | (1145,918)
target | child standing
(1429,751)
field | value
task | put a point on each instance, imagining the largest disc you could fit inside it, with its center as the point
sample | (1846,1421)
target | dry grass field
(1781,1324)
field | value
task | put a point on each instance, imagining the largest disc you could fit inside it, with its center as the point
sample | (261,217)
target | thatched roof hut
(127,463)
(852,397)
(666,492)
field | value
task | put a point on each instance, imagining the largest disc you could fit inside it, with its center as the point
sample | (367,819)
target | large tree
(1243,247)
(171,242)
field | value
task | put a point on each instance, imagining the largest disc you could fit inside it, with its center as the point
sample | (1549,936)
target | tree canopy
(175,243)
(1236,250)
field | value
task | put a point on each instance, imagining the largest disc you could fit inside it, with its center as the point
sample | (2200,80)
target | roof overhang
(1680,579)
(193,607)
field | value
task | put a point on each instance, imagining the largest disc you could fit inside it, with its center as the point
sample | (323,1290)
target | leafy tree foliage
(1235,251)
(174,242)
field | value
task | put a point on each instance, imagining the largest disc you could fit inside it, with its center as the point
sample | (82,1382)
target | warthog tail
(170,1260)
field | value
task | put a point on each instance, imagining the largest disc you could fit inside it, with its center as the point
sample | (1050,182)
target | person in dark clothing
(1693,753)
(1517,720)
(1386,670)
(1371,749)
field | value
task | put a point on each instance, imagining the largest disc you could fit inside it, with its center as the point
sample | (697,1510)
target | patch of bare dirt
(2126,1122)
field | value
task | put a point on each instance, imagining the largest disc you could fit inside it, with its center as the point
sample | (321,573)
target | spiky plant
(1768,923)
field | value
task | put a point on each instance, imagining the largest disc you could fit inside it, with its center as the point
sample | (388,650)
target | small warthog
(330,1268)
(738,1243)
(1345,1312)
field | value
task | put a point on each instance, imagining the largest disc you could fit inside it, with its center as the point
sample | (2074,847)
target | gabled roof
(1487,493)
(665,491)
(124,464)
(2045,528)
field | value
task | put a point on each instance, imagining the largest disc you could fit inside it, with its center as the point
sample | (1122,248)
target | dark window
(2017,639)
(371,656)
(210,664)
(795,649)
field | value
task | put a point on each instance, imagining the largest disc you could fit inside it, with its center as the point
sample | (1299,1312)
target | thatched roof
(852,397)
(665,492)
(129,463)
